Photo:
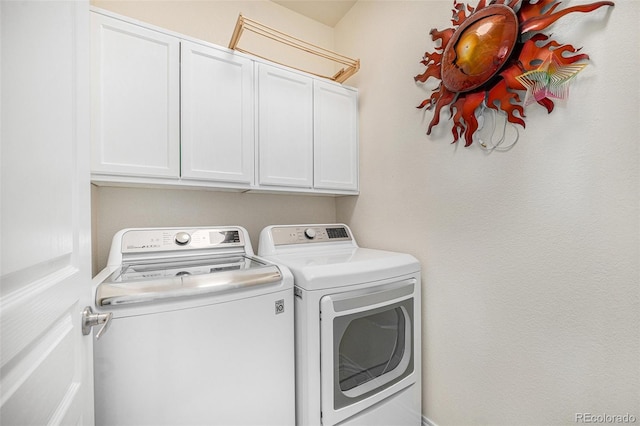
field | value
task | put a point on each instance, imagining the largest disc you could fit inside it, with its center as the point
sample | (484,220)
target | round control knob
(182,238)
(310,233)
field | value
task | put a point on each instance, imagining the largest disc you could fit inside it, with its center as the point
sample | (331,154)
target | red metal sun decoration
(482,59)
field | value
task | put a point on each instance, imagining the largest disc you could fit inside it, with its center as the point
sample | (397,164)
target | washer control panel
(154,240)
(182,238)
(306,234)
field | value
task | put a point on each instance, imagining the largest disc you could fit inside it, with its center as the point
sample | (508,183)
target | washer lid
(156,281)
(323,269)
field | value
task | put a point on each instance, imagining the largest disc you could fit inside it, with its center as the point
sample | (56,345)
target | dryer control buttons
(309,234)
(182,238)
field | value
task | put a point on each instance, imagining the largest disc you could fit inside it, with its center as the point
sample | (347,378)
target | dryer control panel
(305,234)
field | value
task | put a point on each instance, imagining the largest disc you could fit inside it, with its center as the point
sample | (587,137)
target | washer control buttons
(310,233)
(182,238)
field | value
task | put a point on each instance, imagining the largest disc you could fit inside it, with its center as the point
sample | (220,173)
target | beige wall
(213,21)
(531,257)
(118,208)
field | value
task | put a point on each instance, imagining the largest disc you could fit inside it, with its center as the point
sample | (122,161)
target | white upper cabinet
(167,109)
(307,132)
(135,83)
(335,120)
(217,114)
(285,127)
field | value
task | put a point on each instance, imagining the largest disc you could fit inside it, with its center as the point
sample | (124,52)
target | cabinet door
(217,115)
(135,100)
(335,137)
(285,128)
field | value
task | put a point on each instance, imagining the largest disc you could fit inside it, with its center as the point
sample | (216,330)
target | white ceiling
(329,12)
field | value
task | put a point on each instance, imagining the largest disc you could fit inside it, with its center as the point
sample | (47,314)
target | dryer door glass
(373,349)
(370,347)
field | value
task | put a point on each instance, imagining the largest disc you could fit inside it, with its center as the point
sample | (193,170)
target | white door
(285,127)
(135,122)
(335,140)
(367,347)
(45,374)
(217,114)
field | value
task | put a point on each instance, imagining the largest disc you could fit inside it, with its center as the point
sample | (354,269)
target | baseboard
(427,422)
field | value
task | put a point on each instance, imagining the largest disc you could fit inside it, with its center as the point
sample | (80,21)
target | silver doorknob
(91,319)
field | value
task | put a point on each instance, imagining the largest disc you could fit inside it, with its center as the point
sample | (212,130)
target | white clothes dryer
(200,331)
(357,327)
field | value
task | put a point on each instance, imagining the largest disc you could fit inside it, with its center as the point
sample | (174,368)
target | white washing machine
(200,331)
(357,327)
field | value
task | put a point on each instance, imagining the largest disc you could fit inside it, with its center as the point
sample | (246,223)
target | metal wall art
(493,55)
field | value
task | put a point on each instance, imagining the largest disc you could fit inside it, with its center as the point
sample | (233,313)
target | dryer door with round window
(367,347)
